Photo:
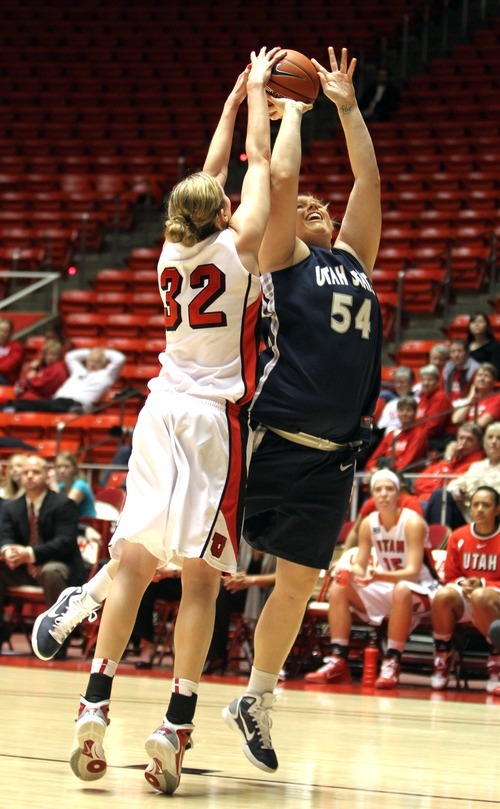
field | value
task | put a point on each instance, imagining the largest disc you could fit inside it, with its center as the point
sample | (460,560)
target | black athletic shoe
(249,715)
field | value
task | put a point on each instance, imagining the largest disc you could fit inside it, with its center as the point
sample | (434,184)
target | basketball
(294,77)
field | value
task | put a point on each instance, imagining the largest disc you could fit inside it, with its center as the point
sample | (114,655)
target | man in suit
(38,539)
(381,98)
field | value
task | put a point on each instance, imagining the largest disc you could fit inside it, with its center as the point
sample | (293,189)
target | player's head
(384,486)
(197,207)
(485,509)
(314,224)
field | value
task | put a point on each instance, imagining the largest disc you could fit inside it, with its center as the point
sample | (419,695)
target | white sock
(101,665)
(99,586)
(262,682)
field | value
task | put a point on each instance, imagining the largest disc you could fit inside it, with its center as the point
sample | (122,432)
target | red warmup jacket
(409,447)
(469,556)
(424,486)
(435,405)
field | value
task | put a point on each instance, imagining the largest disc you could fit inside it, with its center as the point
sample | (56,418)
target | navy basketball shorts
(297,500)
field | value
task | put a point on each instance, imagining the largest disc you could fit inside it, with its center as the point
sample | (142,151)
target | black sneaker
(249,715)
(54,625)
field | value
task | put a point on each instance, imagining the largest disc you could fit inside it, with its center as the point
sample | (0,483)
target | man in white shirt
(92,371)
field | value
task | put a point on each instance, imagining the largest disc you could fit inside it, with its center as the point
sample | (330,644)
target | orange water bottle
(370,661)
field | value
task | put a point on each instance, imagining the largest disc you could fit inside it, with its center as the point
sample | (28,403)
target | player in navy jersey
(318,387)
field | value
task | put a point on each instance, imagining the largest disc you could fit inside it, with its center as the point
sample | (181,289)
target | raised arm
(281,248)
(219,151)
(250,220)
(362,221)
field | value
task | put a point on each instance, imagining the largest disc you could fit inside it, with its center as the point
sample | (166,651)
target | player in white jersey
(391,577)
(188,466)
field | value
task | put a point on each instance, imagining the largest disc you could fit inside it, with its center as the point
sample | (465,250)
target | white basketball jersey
(390,547)
(212,320)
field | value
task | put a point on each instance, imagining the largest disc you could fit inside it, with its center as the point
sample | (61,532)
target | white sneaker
(166,748)
(443,664)
(54,625)
(88,761)
(493,666)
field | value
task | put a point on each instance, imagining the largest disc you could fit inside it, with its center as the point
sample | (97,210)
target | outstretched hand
(239,90)
(337,83)
(263,62)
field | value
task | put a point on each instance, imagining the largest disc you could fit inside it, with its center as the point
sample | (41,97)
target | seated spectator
(12,486)
(483,347)
(458,456)
(244,592)
(397,585)
(39,538)
(438,356)
(458,493)
(386,412)
(403,447)
(472,591)
(92,371)
(405,500)
(11,354)
(381,99)
(434,408)
(482,405)
(459,371)
(403,381)
(70,482)
(42,377)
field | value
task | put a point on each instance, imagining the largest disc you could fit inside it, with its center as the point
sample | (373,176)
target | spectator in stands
(386,413)
(405,446)
(459,371)
(434,408)
(12,486)
(483,346)
(11,353)
(70,482)
(92,371)
(403,381)
(245,591)
(381,99)
(39,538)
(472,591)
(439,355)
(482,405)
(43,376)
(458,493)
(458,456)
(392,577)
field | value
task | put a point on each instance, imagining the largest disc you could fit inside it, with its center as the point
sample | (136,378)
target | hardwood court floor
(348,749)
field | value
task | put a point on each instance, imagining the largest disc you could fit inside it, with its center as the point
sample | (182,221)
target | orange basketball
(294,77)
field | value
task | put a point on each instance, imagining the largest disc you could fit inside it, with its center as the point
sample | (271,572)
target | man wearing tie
(38,538)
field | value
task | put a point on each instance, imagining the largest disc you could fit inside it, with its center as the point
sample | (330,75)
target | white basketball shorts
(186,480)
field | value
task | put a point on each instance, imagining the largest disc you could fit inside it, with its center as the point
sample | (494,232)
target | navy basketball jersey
(320,371)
